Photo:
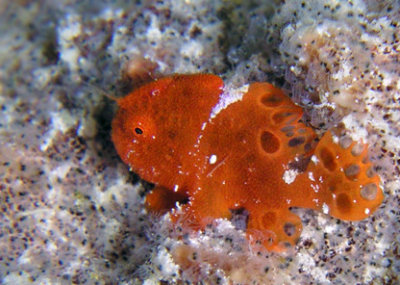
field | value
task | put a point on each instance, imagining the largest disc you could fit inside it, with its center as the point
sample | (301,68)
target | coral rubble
(70,212)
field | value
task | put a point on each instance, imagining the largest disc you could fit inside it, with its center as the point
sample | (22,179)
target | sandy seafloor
(70,211)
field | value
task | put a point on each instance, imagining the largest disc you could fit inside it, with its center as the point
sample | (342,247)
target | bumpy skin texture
(254,157)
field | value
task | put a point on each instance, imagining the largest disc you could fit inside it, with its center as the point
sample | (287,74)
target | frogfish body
(254,157)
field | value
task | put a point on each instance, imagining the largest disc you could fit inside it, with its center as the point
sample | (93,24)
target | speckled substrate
(70,212)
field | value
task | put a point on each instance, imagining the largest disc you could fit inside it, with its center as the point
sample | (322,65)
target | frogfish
(254,157)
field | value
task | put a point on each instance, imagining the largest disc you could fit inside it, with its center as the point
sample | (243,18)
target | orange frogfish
(254,156)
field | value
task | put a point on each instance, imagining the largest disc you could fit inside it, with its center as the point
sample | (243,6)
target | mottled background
(70,211)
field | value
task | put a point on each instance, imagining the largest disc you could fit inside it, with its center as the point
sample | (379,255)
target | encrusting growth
(255,157)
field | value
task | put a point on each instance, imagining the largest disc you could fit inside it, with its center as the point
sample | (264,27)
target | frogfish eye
(138,131)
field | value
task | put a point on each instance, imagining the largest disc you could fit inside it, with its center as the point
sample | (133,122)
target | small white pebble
(213,159)
(289,176)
